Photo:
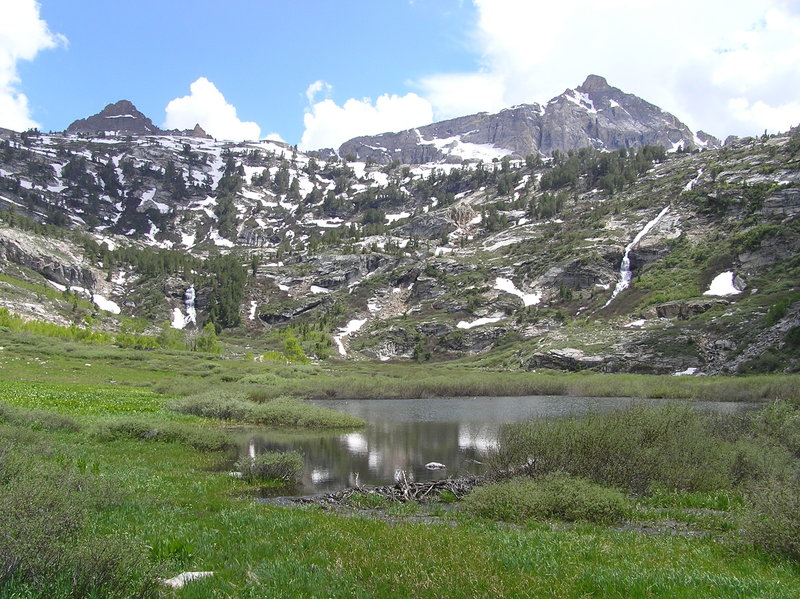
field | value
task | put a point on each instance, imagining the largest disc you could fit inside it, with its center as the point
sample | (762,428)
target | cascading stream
(188,302)
(625,273)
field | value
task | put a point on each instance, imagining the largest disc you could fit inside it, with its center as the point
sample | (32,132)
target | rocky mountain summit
(119,118)
(123,118)
(594,114)
(633,260)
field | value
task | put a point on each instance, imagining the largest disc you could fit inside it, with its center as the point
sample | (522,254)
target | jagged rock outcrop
(120,118)
(199,132)
(594,114)
(684,309)
(50,258)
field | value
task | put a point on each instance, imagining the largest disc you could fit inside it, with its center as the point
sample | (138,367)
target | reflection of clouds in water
(480,438)
(374,461)
(320,476)
(405,435)
(356,442)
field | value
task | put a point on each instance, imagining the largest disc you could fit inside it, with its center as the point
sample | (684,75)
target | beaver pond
(403,436)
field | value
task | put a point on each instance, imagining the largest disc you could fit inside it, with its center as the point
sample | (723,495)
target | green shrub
(271,465)
(772,519)
(778,310)
(555,496)
(779,424)
(215,404)
(281,411)
(669,446)
(37,419)
(201,439)
(45,550)
(792,337)
(291,412)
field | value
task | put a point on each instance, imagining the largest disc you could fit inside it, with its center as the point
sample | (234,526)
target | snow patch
(253,306)
(687,372)
(722,285)
(528,299)
(105,304)
(390,218)
(220,241)
(636,323)
(350,328)
(479,322)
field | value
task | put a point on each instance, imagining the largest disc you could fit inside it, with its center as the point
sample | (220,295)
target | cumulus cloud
(727,66)
(328,125)
(23,34)
(206,105)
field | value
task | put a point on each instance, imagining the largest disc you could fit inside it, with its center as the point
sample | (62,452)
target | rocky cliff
(593,114)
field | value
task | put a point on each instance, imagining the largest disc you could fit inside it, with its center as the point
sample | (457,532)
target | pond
(403,435)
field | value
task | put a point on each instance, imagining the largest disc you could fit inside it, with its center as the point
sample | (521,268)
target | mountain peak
(198,131)
(119,108)
(121,118)
(593,83)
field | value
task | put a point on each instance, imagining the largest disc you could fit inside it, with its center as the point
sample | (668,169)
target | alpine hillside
(595,232)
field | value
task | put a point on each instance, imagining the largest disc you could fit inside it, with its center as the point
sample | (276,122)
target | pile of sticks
(402,491)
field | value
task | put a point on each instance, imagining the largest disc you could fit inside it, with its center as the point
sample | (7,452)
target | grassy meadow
(114,473)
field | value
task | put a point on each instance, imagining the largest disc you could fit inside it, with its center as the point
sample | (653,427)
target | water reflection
(402,436)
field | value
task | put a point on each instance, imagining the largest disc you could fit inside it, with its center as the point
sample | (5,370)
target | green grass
(79,399)
(177,509)
(180,373)
(277,412)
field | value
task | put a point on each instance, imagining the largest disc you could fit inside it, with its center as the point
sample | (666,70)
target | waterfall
(188,301)
(625,274)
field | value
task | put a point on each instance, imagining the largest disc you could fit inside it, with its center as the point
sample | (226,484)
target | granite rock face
(594,114)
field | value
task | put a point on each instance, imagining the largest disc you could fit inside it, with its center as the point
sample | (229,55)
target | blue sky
(319,72)
(261,55)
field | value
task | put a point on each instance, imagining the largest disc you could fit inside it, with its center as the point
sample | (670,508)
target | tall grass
(37,419)
(281,411)
(553,496)
(640,448)
(166,432)
(677,456)
(409,382)
(45,550)
(282,466)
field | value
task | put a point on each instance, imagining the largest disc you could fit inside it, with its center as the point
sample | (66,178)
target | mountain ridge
(594,114)
(514,263)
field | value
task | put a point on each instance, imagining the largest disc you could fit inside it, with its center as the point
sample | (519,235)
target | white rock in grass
(177,582)
(435,466)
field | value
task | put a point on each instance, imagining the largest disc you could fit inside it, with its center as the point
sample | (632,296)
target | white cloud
(206,105)
(23,34)
(459,94)
(328,125)
(698,60)
(319,86)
